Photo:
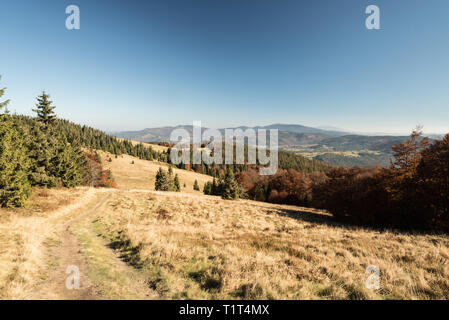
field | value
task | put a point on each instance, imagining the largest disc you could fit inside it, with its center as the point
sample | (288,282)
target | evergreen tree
(160,178)
(14,185)
(207,189)
(196,186)
(166,182)
(44,111)
(163,181)
(40,151)
(170,180)
(68,165)
(176,185)
(230,189)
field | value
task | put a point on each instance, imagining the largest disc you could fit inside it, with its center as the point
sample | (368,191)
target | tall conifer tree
(45,110)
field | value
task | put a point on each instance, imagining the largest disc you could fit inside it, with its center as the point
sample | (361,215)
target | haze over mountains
(327,144)
(163,133)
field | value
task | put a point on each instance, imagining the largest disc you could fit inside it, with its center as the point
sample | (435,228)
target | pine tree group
(166,182)
(14,163)
(35,153)
(227,187)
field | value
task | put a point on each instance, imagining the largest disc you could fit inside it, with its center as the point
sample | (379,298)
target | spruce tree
(45,111)
(170,180)
(44,144)
(40,151)
(230,189)
(67,165)
(176,185)
(161,183)
(14,164)
(196,186)
(207,189)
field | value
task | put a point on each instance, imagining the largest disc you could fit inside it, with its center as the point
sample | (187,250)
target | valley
(337,148)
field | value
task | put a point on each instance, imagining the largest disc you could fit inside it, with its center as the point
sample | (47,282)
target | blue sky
(138,64)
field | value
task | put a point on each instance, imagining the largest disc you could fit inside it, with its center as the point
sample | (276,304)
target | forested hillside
(48,152)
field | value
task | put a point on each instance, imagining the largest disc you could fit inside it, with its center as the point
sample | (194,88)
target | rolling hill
(291,132)
(332,146)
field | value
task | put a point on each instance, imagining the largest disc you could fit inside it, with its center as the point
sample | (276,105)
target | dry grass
(24,234)
(188,245)
(204,247)
(155,147)
(142,174)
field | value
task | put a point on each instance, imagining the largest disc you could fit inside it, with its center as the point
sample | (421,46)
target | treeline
(94,139)
(413,193)
(36,155)
(285,187)
(363,159)
(286,161)
(232,181)
(47,152)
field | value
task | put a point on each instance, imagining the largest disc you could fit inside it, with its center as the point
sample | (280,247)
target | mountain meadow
(139,227)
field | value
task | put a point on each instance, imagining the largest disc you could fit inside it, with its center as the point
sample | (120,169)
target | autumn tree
(433,182)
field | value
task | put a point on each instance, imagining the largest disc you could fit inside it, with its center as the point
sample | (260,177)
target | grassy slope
(141,174)
(196,246)
(204,247)
(155,147)
(193,246)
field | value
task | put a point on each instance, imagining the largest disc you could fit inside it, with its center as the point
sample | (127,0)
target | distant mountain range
(291,133)
(327,144)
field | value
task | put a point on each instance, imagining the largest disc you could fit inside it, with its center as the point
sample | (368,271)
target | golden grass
(24,233)
(142,174)
(111,277)
(155,147)
(202,247)
(188,245)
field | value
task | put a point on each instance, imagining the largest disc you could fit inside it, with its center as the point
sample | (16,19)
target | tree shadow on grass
(311,217)
(322,218)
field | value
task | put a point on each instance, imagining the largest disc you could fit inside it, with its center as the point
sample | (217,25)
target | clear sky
(138,64)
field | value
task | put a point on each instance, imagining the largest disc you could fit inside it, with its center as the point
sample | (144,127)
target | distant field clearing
(141,174)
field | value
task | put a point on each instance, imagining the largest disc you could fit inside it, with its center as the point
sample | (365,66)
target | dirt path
(64,255)
(102,274)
